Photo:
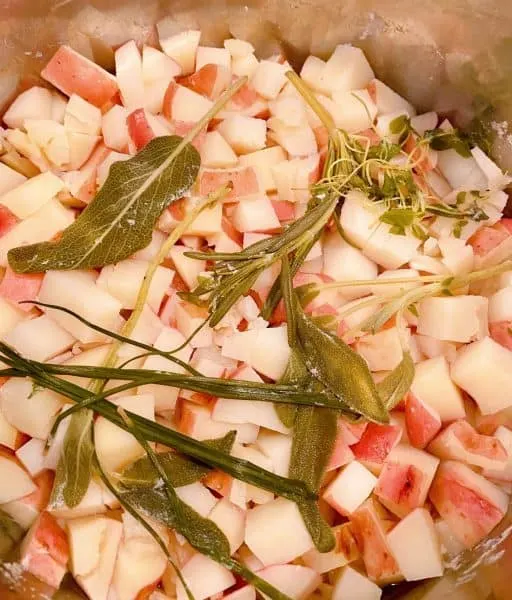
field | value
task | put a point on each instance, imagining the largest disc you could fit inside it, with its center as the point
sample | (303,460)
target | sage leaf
(10,533)
(397,383)
(74,470)
(180,469)
(121,218)
(341,370)
(295,374)
(314,434)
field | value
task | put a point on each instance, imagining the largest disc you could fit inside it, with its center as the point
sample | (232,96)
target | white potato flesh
(230,519)
(269,529)
(256,457)
(255,213)
(9,179)
(244,134)
(42,226)
(20,484)
(278,448)
(347,69)
(77,291)
(129,75)
(34,103)
(114,128)
(181,47)
(263,162)
(343,262)
(354,111)
(123,281)
(10,316)
(484,370)
(31,455)
(29,409)
(388,101)
(216,153)
(350,488)
(9,436)
(415,546)
(204,578)
(94,542)
(500,305)
(117,448)
(351,584)
(312,72)
(433,385)
(40,338)
(296,581)
(457,255)
(382,351)
(32,195)
(91,504)
(198,497)
(297,141)
(207,55)
(265,350)
(269,78)
(454,318)
(496,179)
(187,105)
(238,48)
(189,269)
(168,339)
(244,66)
(82,117)
(461,172)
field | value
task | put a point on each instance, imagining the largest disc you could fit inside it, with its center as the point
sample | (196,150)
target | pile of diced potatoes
(402,498)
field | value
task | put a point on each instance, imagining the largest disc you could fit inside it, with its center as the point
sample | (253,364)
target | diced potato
(297,141)
(77,291)
(296,581)
(189,269)
(454,318)
(39,339)
(9,179)
(388,101)
(268,531)
(129,75)
(347,69)
(216,153)
(461,172)
(181,47)
(123,281)
(207,55)
(197,496)
(82,116)
(244,134)
(312,73)
(32,195)
(350,488)
(269,78)
(182,104)
(382,351)
(114,128)
(500,305)
(255,213)
(278,448)
(353,111)
(29,409)
(31,456)
(263,162)
(484,370)
(20,484)
(34,103)
(238,48)
(117,448)
(204,577)
(188,319)
(42,226)
(433,385)
(208,222)
(415,546)
(351,584)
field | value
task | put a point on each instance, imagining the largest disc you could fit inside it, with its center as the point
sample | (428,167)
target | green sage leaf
(341,370)
(397,383)
(314,434)
(74,470)
(121,218)
(180,469)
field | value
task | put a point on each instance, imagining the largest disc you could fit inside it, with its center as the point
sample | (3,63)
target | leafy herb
(394,387)
(401,126)
(399,218)
(439,139)
(120,219)
(179,469)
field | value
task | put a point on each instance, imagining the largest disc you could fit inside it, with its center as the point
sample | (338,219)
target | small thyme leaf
(439,139)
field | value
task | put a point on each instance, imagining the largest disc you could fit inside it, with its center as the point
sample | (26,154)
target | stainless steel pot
(453,56)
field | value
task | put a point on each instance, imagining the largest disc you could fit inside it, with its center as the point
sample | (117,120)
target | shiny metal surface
(454,56)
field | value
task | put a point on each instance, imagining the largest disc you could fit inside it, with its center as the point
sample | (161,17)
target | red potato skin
(488,238)
(39,498)
(182,128)
(370,534)
(472,441)
(284,210)
(352,432)
(210,81)
(501,333)
(422,426)
(139,129)
(487,424)
(245,97)
(469,514)
(88,190)
(17,287)
(399,488)
(376,443)
(72,73)
(7,220)
(47,552)
(341,453)
(243,182)
(218,482)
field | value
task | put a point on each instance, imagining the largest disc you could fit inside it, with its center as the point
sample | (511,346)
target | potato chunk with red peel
(345,551)
(501,333)
(72,73)
(18,287)
(460,441)
(370,531)
(350,488)
(210,80)
(405,479)
(45,550)
(243,182)
(471,505)
(375,444)
(139,128)
(421,420)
